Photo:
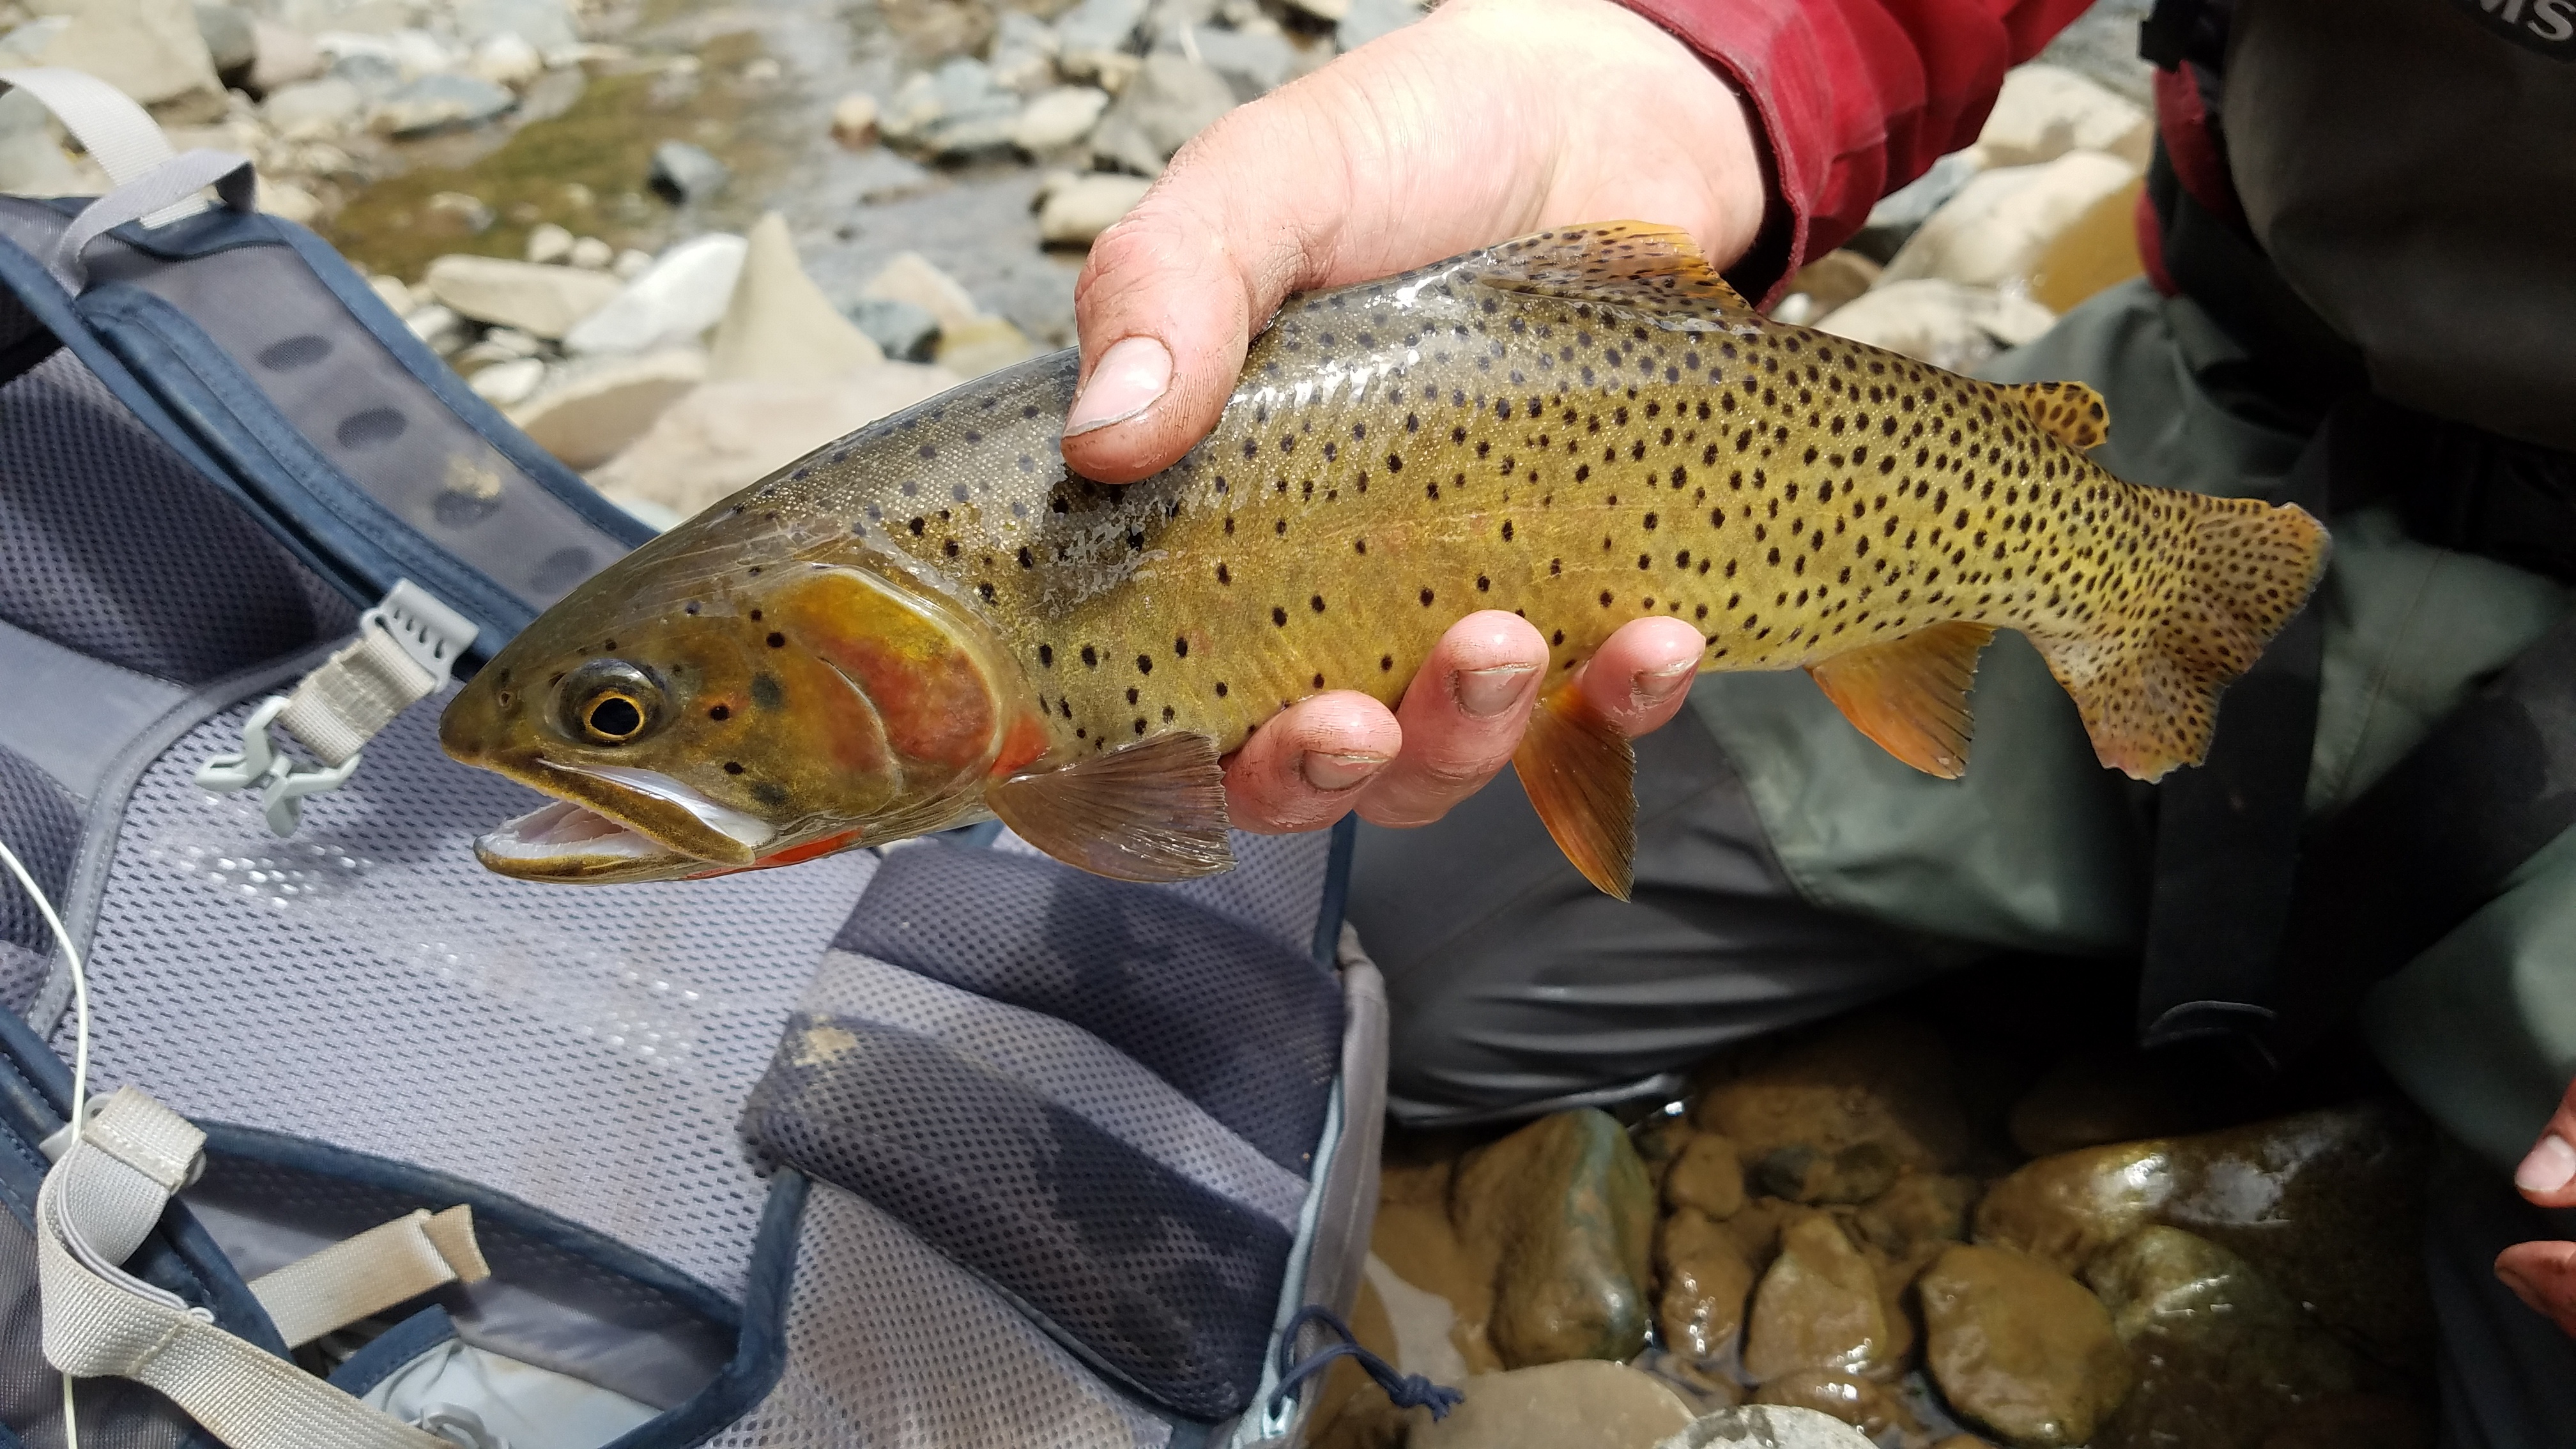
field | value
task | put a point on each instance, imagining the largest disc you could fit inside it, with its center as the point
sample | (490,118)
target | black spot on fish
(720,712)
(733,767)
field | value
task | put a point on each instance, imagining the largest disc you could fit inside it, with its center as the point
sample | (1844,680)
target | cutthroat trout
(930,620)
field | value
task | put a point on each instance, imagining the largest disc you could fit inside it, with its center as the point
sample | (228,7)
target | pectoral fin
(1911,694)
(1152,811)
(2074,413)
(1580,772)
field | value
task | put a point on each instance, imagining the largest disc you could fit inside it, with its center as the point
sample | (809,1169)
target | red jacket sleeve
(1856,97)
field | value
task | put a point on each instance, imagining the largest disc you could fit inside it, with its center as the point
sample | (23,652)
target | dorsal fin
(1622,263)
(2071,411)
(1911,694)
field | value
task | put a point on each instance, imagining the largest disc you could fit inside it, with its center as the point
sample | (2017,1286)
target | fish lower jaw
(562,841)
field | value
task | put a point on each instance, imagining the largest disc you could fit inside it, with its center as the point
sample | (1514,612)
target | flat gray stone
(441,103)
(1768,1426)
(906,331)
(684,173)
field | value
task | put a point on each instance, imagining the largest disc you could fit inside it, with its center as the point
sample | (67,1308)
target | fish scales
(1544,433)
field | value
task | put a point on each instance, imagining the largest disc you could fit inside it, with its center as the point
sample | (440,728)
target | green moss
(583,170)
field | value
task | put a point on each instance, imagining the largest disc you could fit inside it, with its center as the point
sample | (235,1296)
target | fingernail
(1484,693)
(1131,376)
(1654,686)
(1338,772)
(2549,1168)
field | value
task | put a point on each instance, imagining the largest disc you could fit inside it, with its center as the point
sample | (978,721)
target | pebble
(1767,1426)
(1252,61)
(778,326)
(1939,321)
(288,200)
(2021,1348)
(1077,213)
(2062,1210)
(1990,233)
(669,304)
(545,24)
(1801,1173)
(393,293)
(628,264)
(724,436)
(1172,99)
(854,120)
(1902,212)
(1323,9)
(149,49)
(375,74)
(910,277)
(548,242)
(1826,283)
(329,104)
(31,163)
(1022,57)
(284,55)
(1705,1174)
(954,111)
(232,41)
(596,409)
(1707,1282)
(1366,20)
(1573,1213)
(1094,27)
(983,345)
(1553,1406)
(682,173)
(440,103)
(1872,1408)
(2045,111)
(903,330)
(1818,1307)
(504,384)
(454,213)
(438,326)
(593,255)
(544,301)
(1057,118)
(508,60)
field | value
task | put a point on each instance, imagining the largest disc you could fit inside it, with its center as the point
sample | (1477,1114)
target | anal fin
(2070,411)
(1150,811)
(1632,264)
(1580,772)
(1911,694)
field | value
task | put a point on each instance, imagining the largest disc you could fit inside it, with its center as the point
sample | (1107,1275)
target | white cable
(80,1057)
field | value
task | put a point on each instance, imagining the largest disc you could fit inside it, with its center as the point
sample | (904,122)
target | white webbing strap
(404,650)
(149,195)
(106,1193)
(117,133)
(365,1275)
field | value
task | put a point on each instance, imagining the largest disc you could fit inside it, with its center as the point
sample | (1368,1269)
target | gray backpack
(946,1146)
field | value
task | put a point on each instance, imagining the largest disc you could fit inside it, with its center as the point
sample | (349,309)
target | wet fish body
(930,619)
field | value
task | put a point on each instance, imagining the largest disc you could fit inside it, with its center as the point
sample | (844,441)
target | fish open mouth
(560,833)
(567,840)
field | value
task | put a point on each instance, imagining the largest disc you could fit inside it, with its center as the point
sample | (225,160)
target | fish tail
(2149,693)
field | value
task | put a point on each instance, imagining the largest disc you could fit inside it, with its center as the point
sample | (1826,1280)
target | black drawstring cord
(1405,1391)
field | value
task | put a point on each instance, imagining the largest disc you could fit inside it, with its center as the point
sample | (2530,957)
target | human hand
(2543,1275)
(1487,120)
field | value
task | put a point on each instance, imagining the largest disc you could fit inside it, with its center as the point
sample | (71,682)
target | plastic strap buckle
(406,647)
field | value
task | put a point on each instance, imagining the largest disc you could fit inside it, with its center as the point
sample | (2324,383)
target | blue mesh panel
(40,822)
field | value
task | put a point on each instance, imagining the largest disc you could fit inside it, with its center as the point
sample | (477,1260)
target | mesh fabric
(111,545)
(1167,1283)
(891,1346)
(40,823)
(1275,888)
(1247,1027)
(368,984)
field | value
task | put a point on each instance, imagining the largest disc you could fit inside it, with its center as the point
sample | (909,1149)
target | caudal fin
(2149,695)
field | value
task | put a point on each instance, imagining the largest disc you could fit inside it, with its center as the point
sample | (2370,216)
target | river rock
(1172,99)
(505,384)
(1659,1140)
(231,42)
(1056,119)
(545,24)
(1872,1408)
(2224,1357)
(1706,1174)
(1567,1206)
(778,325)
(682,173)
(2062,1210)
(726,435)
(1872,1079)
(1768,1426)
(311,108)
(375,73)
(1332,10)
(954,111)
(508,60)
(393,293)
(1938,321)
(2045,111)
(1803,1174)
(1022,57)
(1902,212)
(596,408)
(282,55)
(288,200)
(1366,20)
(31,163)
(1091,39)
(437,326)
(1077,213)
(149,49)
(1706,1284)
(1819,1307)
(2020,1347)
(1826,283)
(983,345)
(910,277)
(1254,62)
(670,303)
(545,301)
(1917,1210)
(440,103)
(2094,1098)
(1999,223)
(902,330)
(1555,1405)
(854,120)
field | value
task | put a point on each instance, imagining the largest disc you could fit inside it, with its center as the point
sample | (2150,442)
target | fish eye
(610,702)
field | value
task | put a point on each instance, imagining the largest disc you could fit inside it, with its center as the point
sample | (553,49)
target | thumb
(1167,304)
(2547,1175)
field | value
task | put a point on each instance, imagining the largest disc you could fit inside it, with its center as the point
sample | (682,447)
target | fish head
(745,716)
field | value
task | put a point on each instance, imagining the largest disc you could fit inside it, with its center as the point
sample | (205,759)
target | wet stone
(1874,1079)
(1705,1284)
(683,173)
(2021,1348)
(1567,1205)
(2062,1210)
(1706,1175)
(1801,1173)
(1596,1405)
(1767,1426)
(1819,1307)
(1872,1408)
